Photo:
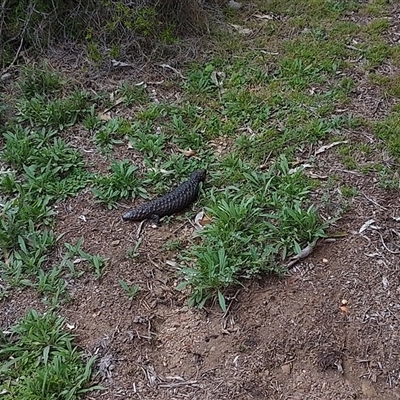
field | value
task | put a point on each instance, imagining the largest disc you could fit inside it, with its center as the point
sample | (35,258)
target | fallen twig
(366,225)
(139,229)
(303,254)
(329,146)
(384,245)
(178,384)
(347,171)
(374,202)
(230,304)
(167,66)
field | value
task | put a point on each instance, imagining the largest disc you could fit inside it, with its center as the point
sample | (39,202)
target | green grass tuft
(251,234)
(388,130)
(39,361)
(40,81)
(57,113)
(122,183)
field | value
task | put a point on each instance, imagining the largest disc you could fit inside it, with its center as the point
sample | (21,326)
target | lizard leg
(155,219)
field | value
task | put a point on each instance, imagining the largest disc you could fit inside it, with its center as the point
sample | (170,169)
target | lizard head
(199,175)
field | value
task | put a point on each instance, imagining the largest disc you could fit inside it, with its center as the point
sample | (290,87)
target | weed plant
(151,145)
(110,134)
(39,361)
(133,94)
(122,183)
(388,130)
(256,223)
(97,262)
(58,113)
(43,163)
(130,290)
(43,169)
(40,80)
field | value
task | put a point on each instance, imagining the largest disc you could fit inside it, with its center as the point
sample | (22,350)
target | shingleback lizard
(176,200)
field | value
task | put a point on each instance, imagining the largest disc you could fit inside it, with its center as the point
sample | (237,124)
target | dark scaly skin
(176,200)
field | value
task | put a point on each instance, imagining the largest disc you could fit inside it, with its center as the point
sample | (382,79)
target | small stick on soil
(395,232)
(304,253)
(384,245)
(151,375)
(139,230)
(16,54)
(390,380)
(153,262)
(230,304)
(353,48)
(265,161)
(172,69)
(178,384)
(116,104)
(374,202)
(329,146)
(180,227)
(347,171)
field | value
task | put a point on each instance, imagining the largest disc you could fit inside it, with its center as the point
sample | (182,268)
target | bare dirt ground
(329,329)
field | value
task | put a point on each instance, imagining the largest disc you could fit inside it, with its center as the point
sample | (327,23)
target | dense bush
(113,24)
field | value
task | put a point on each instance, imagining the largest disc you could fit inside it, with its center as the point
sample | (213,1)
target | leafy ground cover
(293,112)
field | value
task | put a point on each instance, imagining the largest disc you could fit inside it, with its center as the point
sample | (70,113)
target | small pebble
(286,368)
(368,390)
